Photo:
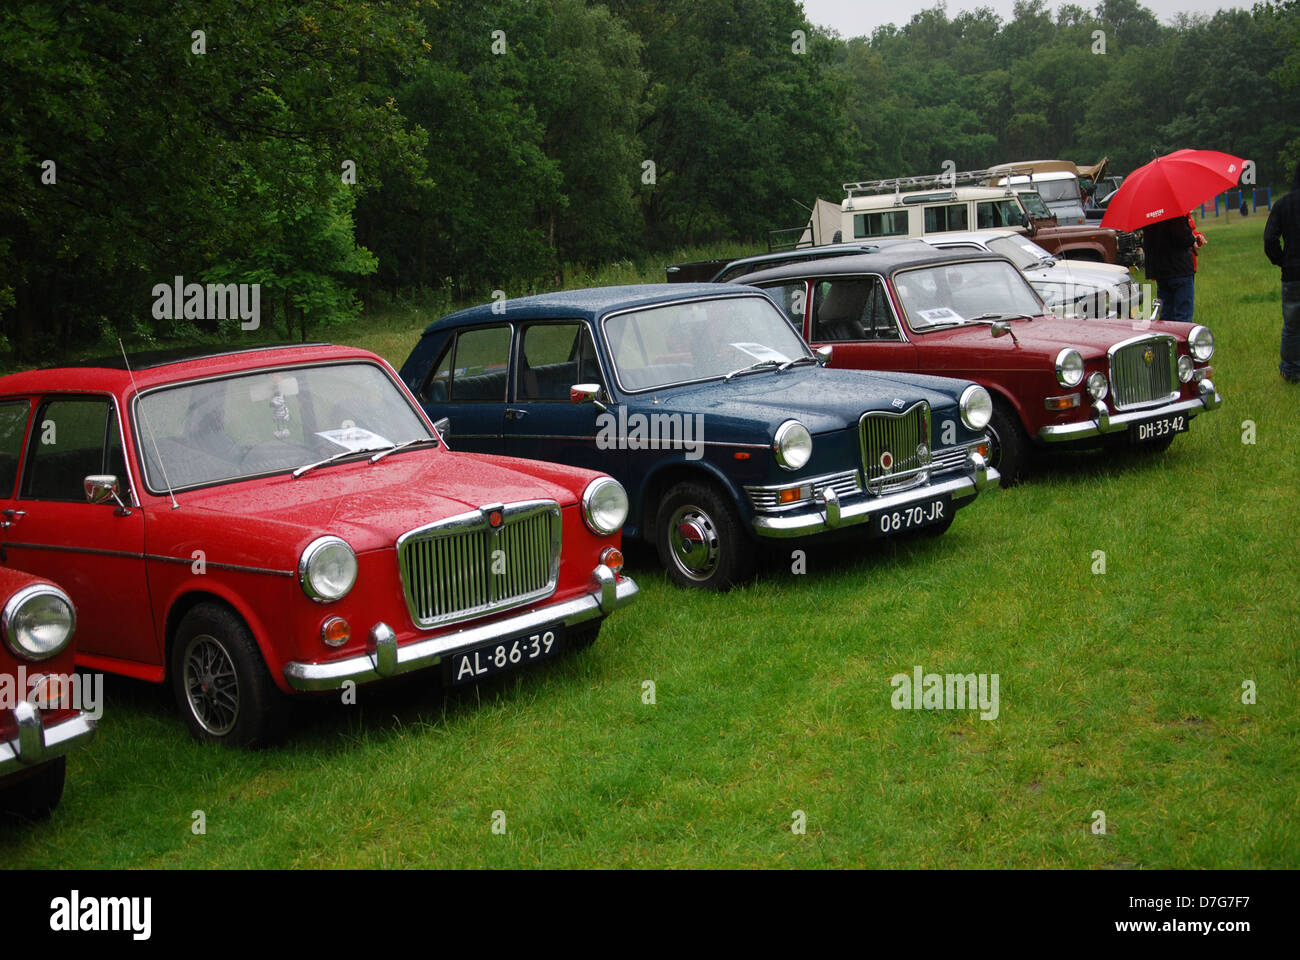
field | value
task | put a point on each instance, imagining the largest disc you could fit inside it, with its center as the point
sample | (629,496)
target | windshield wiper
(401,446)
(753,366)
(995,317)
(790,363)
(320,463)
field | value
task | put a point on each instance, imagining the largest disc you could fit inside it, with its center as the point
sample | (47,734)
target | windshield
(1054,190)
(270,421)
(957,293)
(698,340)
(1034,205)
(1021,251)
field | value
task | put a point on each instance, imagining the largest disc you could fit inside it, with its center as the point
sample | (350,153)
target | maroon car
(39,718)
(973,315)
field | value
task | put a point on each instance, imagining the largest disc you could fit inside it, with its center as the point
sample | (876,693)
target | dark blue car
(704,402)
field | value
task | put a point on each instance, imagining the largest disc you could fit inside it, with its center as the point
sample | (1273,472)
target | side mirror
(587,393)
(1002,328)
(1155,311)
(443,426)
(824,353)
(101,488)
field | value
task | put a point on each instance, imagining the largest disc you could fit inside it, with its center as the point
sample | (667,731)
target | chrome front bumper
(386,658)
(1103,421)
(37,743)
(829,514)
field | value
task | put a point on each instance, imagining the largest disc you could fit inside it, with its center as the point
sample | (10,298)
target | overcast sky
(857,18)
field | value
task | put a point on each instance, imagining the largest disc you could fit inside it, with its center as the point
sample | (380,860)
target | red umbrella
(1170,186)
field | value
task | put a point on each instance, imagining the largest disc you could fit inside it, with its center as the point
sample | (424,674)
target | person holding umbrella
(1156,198)
(1282,246)
(1169,246)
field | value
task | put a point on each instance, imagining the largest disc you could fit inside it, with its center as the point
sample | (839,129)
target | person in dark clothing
(1168,245)
(1282,246)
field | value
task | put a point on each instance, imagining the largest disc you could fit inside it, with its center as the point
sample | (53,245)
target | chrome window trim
(519,332)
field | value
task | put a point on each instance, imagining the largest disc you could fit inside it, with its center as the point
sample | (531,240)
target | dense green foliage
(338,153)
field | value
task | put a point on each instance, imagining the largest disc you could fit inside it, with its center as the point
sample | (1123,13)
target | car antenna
(148,426)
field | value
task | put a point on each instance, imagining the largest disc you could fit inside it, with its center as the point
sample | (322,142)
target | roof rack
(963,178)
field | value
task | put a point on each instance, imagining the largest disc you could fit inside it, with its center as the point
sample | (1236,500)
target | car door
(469,385)
(855,317)
(542,422)
(95,551)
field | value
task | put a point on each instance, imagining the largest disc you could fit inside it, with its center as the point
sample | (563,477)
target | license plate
(912,517)
(479,662)
(1157,428)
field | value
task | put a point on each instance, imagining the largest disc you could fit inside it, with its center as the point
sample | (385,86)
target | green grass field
(1119,692)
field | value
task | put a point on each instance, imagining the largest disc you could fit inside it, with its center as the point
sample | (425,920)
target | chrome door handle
(11,517)
(514,414)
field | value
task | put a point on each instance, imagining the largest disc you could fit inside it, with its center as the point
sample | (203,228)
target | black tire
(717,553)
(1008,443)
(222,686)
(35,797)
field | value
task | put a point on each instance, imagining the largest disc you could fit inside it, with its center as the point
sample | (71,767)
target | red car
(250,524)
(40,718)
(973,315)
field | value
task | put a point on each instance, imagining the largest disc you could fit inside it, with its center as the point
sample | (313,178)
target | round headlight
(792,444)
(1201,342)
(1069,367)
(976,407)
(604,506)
(39,622)
(327,570)
(1097,385)
(1186,368)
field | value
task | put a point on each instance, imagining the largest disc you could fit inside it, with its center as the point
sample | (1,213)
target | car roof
(818,252)
(886,261)
(589,303)
(157,367)
(969,236)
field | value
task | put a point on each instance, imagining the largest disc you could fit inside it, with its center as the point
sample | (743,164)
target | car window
(791,298)
(13,429)
(268,421)
(995,214)
(554,357)
(698,340)
(887,223)
(951,216)
(71,440)
(955,293)
(481,361)
(852,308)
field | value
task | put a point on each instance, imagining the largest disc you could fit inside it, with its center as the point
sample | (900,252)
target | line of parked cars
(253,525)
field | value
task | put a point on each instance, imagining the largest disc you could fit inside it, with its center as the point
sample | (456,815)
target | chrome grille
(951,458)
(464,567)
(768,499)
(1143,370)
(889,447)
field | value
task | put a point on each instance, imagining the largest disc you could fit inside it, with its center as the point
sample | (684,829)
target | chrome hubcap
(211,686)
(694,542)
